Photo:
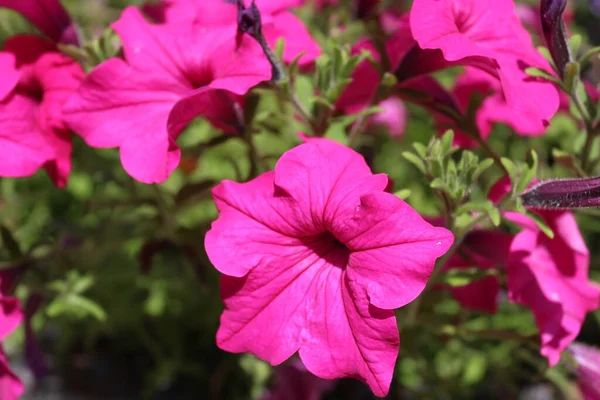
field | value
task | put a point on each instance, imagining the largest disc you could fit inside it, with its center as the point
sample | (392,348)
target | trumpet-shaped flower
(171,74)
(550,276)
(277,22)
(488,35)
(36,82)
(314,257)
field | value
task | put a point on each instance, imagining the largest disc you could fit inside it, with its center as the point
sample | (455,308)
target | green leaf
(575,44)
(403,193)
(485,206)
(463,276)
(279,48)
(541,224)
(528,173)
(540,73)
(572,71)
(447,140)
(593,52)
(510,167)
(482,167)
(420,149)
(322,101)
(415,160)
(75,306)
(82,284)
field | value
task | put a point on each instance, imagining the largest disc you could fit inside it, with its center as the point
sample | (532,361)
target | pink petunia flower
(48,16)
(33,133)
(550,276)
(393,118)
(11,387)
(492,110)
(277,22)
(314,257)
(488,35)
(171,74)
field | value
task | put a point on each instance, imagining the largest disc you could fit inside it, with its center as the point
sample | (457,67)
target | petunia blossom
(393,118)
(488,35)
(33,133)
(11,387)
(315,255)
(277,22)
(49,16)
(550,276)
(493,109)
(171,74)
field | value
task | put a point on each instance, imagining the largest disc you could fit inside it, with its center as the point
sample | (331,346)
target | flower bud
(563,194)
(249,21)
(555,33)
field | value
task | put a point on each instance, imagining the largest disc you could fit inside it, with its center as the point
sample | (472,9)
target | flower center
(328,247)
(200,77)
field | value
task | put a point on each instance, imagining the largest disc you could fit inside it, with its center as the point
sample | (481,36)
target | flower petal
(297,38)
(11,315)
(221,108)
(252,211)
(9,75)
(393,250)
(265,311)
(11,388)
(25,147)
(191,55)
(559,302)
(120,106)
(320,175)
(347,337)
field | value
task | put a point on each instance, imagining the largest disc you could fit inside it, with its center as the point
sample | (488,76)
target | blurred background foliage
(129,303)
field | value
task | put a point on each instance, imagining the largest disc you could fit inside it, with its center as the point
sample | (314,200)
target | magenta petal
(335,174)
(252,210)
(11,387)
(467,28)
(221,108)
(266,310)
(348,337)
(297,38)
(394,116)
(48,15)
(25,148)
(150,158)
(9,76)
(11,315)
(192,56)
(119,106)
(393,248)
(550,276)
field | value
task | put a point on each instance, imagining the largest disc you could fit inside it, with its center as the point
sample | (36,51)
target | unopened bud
(555,33)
